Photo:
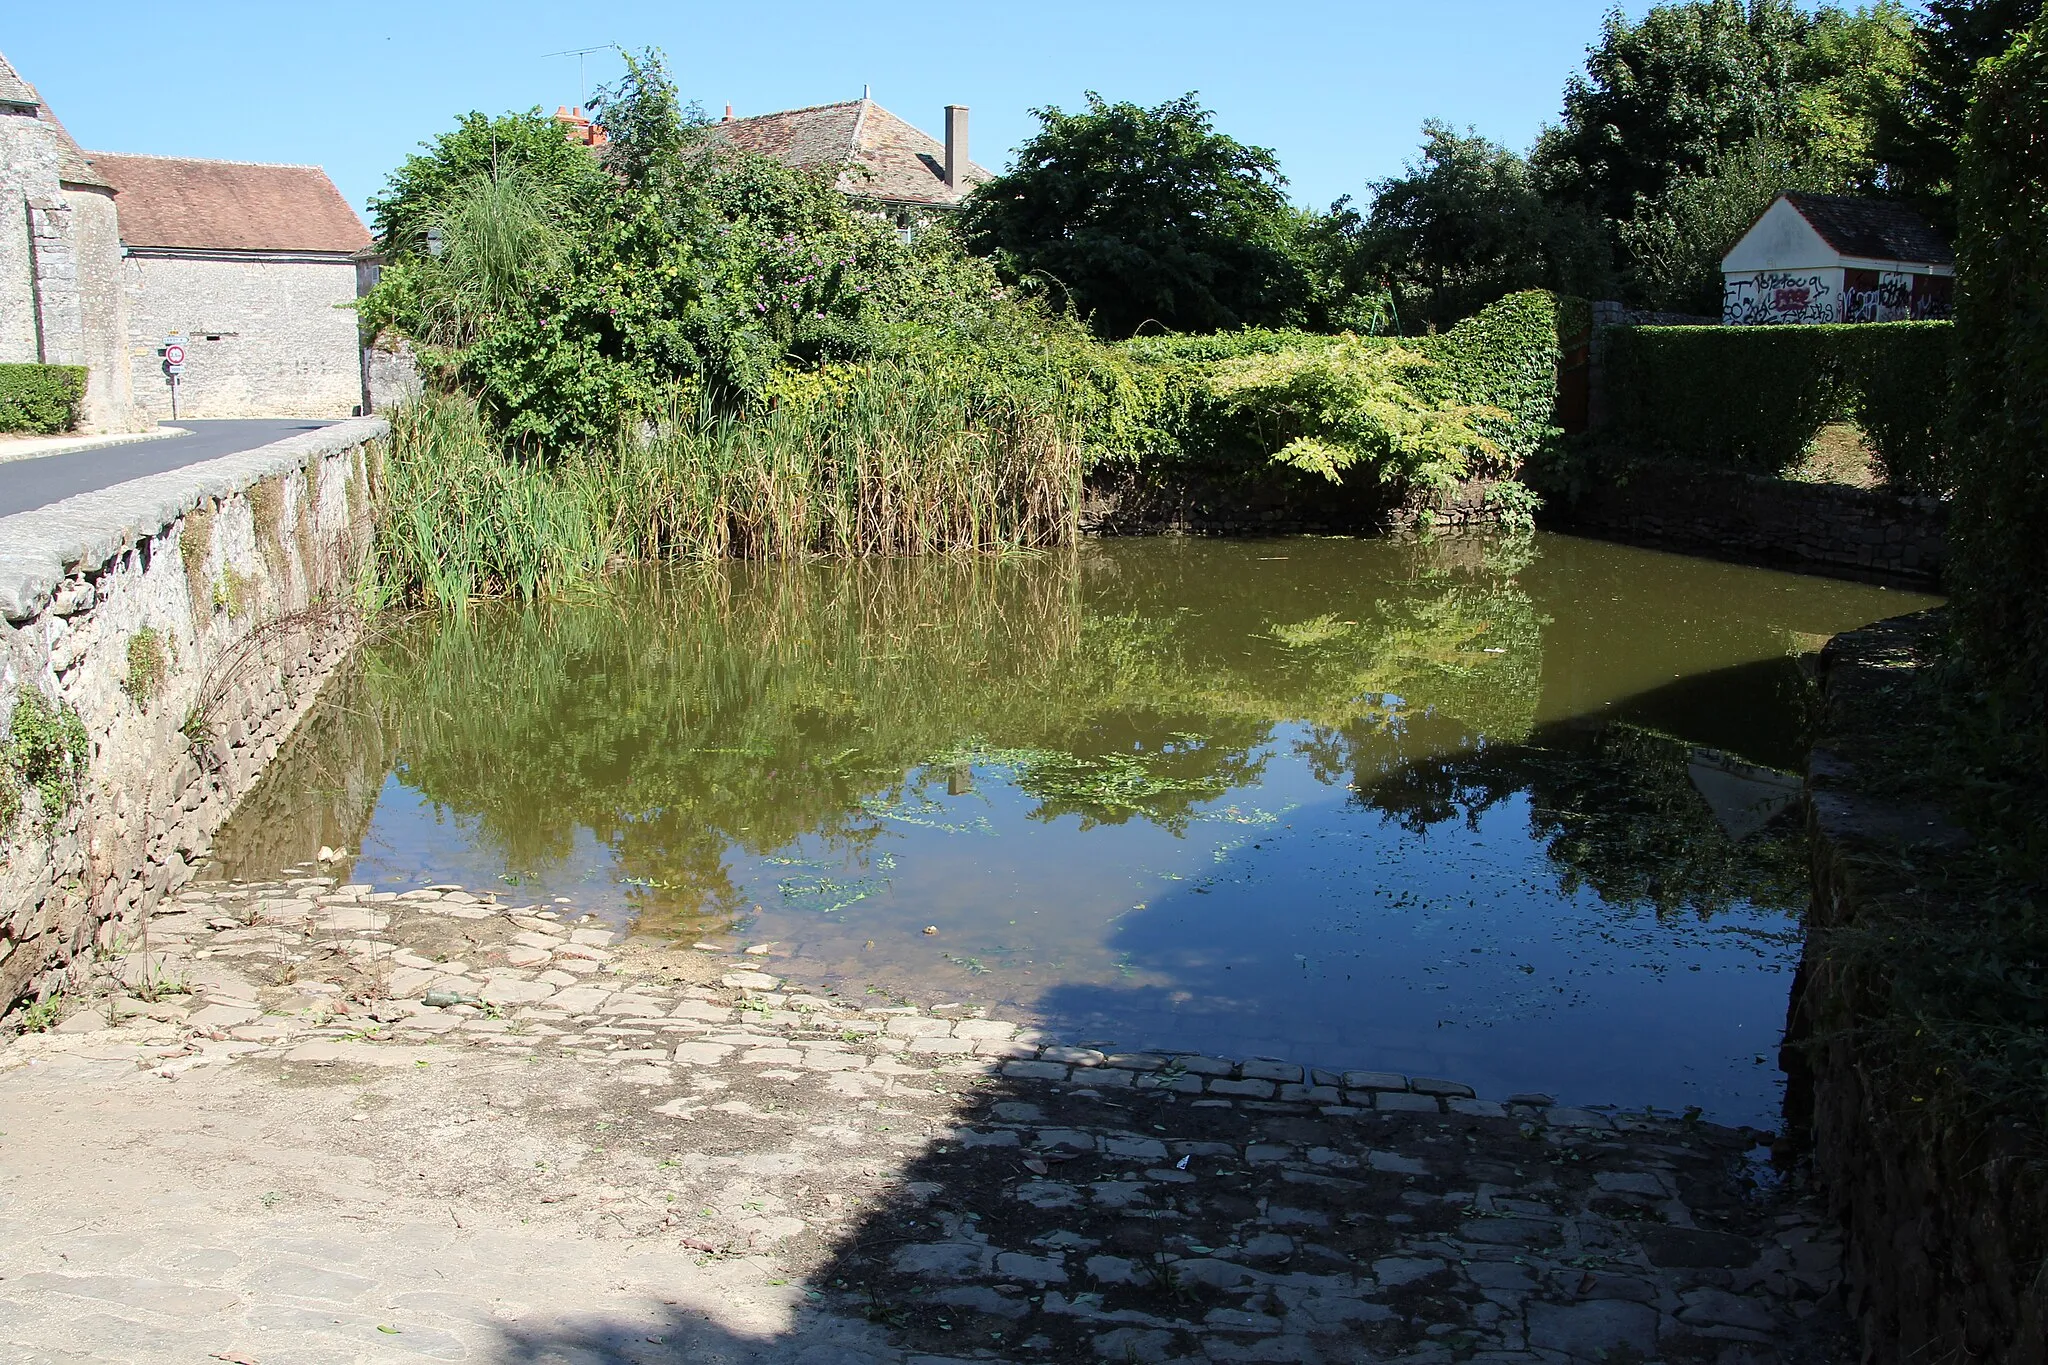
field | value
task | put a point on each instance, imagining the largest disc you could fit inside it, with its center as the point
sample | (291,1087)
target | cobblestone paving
(315,1123)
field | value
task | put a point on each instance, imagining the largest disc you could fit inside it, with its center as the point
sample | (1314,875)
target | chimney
(956,144)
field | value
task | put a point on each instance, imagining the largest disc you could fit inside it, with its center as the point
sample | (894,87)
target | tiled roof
(1874,229)
(13,89)
(902,163)
(172,201)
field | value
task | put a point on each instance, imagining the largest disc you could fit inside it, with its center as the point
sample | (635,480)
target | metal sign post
(174,365)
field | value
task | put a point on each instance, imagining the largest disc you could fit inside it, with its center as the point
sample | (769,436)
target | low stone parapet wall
(1731,514)
(161,638)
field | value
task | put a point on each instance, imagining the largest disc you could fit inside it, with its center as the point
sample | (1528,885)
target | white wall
(1781,240)
(1751,298)
(286,334)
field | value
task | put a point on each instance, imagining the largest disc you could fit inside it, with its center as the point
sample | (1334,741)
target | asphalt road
(29,484)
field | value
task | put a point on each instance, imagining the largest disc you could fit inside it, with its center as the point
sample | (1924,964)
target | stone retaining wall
(1730,514)
(183,622)
(1943,1224)
(1122,505)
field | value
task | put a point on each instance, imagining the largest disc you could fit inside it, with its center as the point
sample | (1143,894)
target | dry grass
(1839,453)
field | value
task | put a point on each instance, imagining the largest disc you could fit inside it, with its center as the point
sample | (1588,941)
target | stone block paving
(303,1122)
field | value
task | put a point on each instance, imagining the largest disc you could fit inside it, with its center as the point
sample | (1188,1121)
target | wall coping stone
(40,548)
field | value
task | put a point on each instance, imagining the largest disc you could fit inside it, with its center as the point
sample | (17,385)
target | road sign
(174,357)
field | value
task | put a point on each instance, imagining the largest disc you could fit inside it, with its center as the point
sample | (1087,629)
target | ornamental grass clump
(885,458)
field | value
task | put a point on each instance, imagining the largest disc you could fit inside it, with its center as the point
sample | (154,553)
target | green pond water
(1513,813)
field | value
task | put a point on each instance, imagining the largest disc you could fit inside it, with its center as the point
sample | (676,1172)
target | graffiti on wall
(1775,297)
(1894,296)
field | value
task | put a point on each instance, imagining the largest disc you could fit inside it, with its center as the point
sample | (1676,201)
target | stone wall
(1731,514)
(264,337)
(1114,504)
(103,307)
(1944,1223)
(237,577)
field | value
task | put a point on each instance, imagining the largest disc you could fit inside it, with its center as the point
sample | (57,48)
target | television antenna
(582,56)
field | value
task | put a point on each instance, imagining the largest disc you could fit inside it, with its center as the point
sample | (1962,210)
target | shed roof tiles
(884,157)
(182,202)
(1873,229)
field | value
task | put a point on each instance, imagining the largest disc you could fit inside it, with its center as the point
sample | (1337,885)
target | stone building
(254,265)
(61,296)
(104,256)
(1831,258)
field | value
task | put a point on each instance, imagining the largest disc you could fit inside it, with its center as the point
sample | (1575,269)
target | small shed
(1834,258)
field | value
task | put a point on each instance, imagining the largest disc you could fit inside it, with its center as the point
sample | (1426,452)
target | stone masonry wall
(1120,505)
(1730,514)
(1943,1224)
(264,338)
(236,576)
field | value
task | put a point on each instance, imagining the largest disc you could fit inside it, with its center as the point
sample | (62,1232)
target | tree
(644,122)
(1687,123)
(1144,216)
(1919,135)
(1674,247)
(1660,96)
(530,145)
(1467,225)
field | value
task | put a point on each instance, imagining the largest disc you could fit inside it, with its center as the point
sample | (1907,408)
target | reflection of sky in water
(1453,871)
(1288,921)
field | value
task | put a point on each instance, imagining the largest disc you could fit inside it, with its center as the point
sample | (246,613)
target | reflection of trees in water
(677,715)
(1614,803)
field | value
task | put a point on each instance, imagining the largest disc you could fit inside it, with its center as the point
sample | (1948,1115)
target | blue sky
(1338,90)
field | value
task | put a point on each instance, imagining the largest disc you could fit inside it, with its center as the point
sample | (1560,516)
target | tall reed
(883,459)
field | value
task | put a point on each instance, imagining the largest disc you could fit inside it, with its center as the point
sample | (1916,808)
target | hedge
(2000,571)
(40,398)
(1755,397)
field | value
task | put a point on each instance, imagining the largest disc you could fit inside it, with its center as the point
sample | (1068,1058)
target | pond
(1514,812)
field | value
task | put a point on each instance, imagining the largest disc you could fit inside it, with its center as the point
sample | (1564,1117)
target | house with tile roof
(882,159)
(1834,258)
(254,265)
(105,256)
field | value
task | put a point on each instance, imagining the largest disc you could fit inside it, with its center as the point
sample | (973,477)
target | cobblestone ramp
(316,1123)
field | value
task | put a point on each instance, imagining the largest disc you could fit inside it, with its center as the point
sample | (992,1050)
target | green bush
(1755,397)
(40,398)
(1223,407)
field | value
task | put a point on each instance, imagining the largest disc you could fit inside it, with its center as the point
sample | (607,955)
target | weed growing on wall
(47,752)
(195,539)
(266,510)
(149,666)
